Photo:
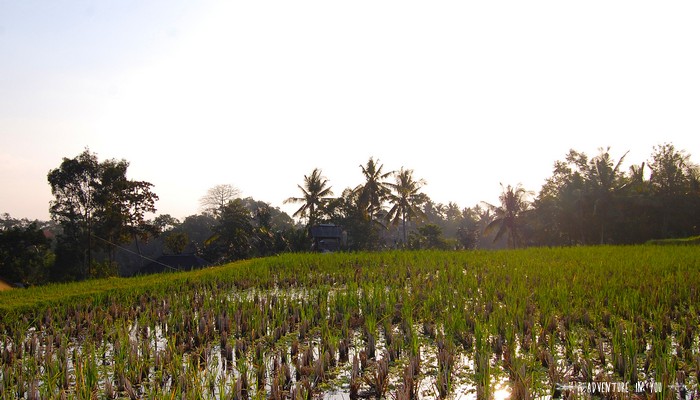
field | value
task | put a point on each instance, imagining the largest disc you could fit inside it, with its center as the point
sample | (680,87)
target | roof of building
(326,231)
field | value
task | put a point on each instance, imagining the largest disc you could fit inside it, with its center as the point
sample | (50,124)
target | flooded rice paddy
(600,323)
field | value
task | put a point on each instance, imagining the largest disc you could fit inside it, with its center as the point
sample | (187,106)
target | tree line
(100,222)
(587,200)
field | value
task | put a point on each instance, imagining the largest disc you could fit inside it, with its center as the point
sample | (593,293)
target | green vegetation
(418,324)
(97,212)
(97,208)
(691,241)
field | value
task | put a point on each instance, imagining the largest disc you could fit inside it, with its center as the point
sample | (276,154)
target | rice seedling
(355,378)
(482,356)
(370,332)
(445,363)
(378,379)
(247,329)
(522,380)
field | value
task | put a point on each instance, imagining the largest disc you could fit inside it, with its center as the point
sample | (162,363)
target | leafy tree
(636,219)
(123,206)
(674,182)
(74,185)
(406,199)
(7,222)
(467,221)
(271,217)
(165,222)
(315,193)
(434,212)
(297,239)
(453,217)
(199,228)
(429,236)
(218,197)
(176,242)
(595,201)
(97,208)
(563,203)
(264,238)
(232,236)
(25,254)
(507,215)
(269,227)
(481,217)
(467,237)
(607,182)
(671,171)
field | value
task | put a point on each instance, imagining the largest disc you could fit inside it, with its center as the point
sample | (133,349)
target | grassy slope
(589,265)
(691,241)
(63,293)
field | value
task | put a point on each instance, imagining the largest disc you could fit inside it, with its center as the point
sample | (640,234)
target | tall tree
(315,192)
(375,190)
(507,216)
(565,205)
(406,199)
(264,238)
(607,181)
(671,170)
(73,185)
(122,207)
(98,208)
(674,183)
(429,236)
(218,197)
(233,235)
(165,222)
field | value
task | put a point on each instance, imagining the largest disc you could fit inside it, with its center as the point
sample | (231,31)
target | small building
(327,237)
(172,263)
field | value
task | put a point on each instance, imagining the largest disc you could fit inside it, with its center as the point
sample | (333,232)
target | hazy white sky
(258,93)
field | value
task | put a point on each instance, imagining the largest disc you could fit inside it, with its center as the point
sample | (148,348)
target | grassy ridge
(96,291)
(582,271)
(691,241)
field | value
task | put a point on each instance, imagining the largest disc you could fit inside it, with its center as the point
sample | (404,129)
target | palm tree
(606,181)
(314,194)
(507,215)
(406,199)
(375,190)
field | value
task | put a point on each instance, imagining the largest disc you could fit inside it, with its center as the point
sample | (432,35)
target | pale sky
(258,93)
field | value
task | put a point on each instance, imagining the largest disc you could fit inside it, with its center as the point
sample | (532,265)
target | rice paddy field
(587,322)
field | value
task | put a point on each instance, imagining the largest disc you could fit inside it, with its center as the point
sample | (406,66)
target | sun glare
(501,393)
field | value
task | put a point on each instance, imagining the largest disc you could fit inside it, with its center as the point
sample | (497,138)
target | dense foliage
(589,201)
(97,208)
(25,254)
(101,226)
(585,201)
